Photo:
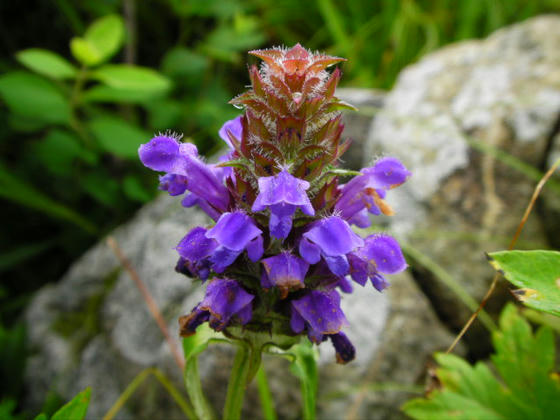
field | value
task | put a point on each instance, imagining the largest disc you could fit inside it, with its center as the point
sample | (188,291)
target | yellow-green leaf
(127,77)
(101,40)
(46,63)
(537,273)
(76,409)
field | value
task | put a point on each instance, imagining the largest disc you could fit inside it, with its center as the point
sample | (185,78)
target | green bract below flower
(281,249)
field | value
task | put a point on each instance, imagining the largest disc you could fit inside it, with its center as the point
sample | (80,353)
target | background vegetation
(77,99)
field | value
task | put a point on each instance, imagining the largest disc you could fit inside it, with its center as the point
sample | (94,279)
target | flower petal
(345,351)
(234,127)
(255,249)
(309,251)
(386,253)
(334,236)
(321,311)
(234,230)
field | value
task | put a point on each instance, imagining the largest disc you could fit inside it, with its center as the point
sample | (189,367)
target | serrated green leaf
(525,362)
(46,63)
(122,76)
(537,273)
(526,390)
(34,97)
(101,40)
(76,409)
(118,137)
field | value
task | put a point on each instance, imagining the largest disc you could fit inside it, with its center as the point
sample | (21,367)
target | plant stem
(137,381)
(265,396)
(237,383)
(194,389)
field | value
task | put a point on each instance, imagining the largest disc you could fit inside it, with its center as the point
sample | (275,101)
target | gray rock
(93,327)
(501,93)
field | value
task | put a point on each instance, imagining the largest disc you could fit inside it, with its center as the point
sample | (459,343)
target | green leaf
(59,150)
(536,272)
(123,76)
(75,409)
(101,93)
(18,191)
(41,416)
(182,63)
(33,97)
(46,63)
(304,367)
(102,188)
(101,40)
(526,389)
(118,137)
(525,362)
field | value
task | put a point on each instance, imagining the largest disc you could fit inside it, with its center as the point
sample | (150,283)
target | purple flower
(234,232)
(345,351)
(166,154)
(365,193)
(381,254)
(224,300)
(234,127)
(285,271)
(195,250)
(332,239)
(282,194)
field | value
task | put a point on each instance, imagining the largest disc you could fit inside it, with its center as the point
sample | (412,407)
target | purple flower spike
(285,271)
(367,191)
(320,312)
(345,351)
(282,194)
(234,127)
(224,300)
(234,232)
(381,254)
(334,239)
(166,154)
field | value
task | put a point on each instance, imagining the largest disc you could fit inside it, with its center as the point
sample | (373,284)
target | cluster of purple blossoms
(281,248)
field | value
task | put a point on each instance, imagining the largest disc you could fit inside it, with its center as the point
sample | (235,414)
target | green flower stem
(194,389)
(137,381)
(237,383)
(265,396)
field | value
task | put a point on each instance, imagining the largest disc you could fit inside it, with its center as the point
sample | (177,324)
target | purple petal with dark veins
(386,253)
(195,245)
(286,271)
(321,311)
(334,236)
(224,299)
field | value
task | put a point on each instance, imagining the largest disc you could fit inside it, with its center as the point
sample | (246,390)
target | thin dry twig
(528,210)
(150,302)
